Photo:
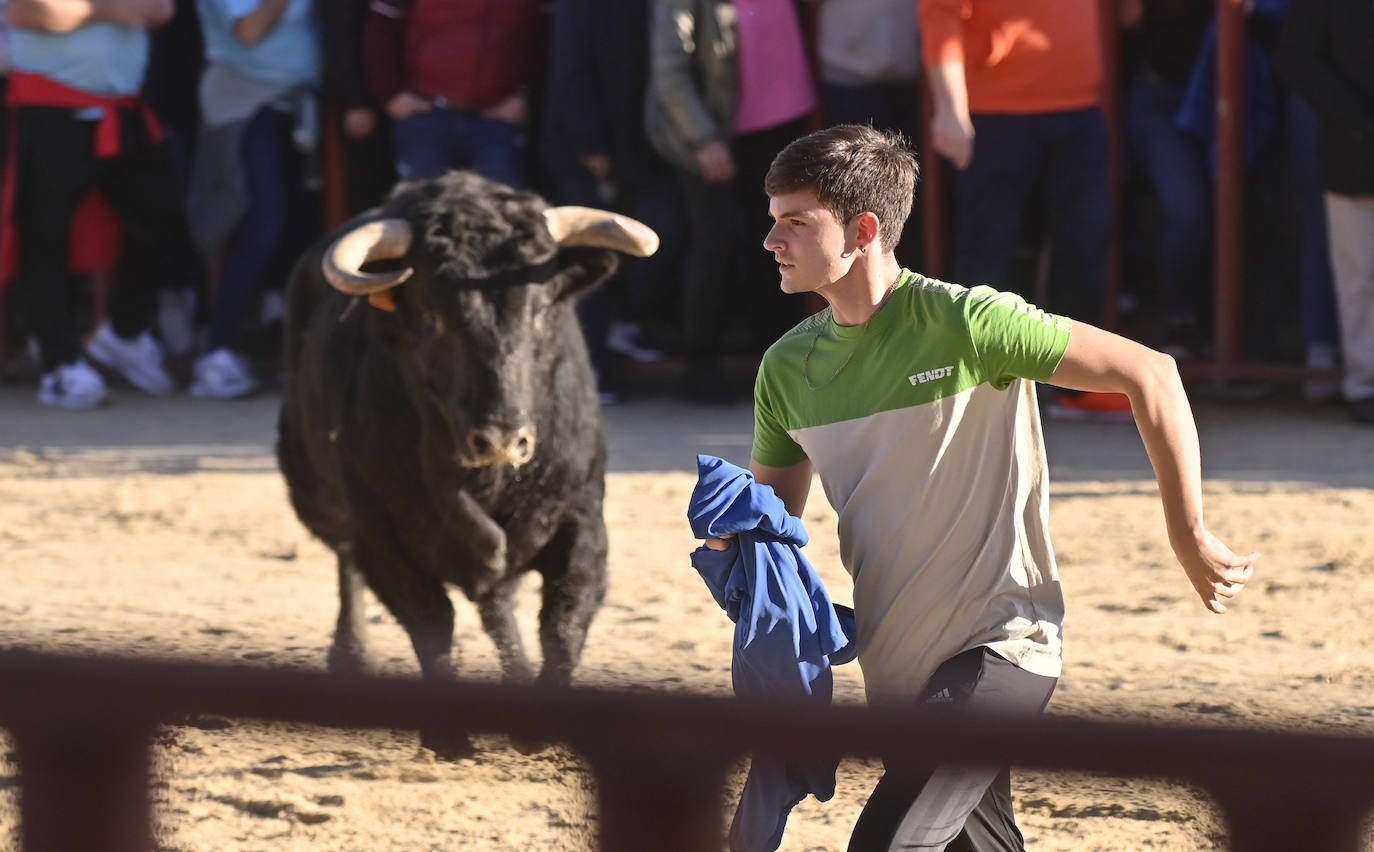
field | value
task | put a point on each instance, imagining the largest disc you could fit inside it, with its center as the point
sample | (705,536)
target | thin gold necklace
(806,359)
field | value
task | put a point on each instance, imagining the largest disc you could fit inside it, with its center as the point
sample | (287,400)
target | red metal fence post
(1110,24)
(1230,187)
(84,786)
(655,795)
(932,191)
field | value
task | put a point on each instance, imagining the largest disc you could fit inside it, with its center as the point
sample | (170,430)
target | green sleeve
(773,446)
(1013,338)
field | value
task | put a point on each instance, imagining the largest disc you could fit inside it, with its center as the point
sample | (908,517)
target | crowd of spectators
(166,160)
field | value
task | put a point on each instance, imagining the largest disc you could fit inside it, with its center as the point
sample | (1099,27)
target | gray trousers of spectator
(1350,229)
(954,806)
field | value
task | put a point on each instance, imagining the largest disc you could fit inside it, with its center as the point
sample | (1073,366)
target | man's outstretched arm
(1098,360)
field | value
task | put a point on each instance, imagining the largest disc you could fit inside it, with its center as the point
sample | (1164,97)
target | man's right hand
(404,104)
(721,543)
(715,162)
(952,137)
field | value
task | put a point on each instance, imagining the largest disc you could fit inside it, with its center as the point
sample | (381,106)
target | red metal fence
(83,729)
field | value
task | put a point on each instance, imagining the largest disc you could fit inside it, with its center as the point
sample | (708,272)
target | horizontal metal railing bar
(34,686)
(1278,788)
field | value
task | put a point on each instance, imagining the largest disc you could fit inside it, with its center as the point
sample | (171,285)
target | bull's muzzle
(493,446)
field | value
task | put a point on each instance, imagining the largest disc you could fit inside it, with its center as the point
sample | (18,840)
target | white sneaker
(74,385)
(222,375)
(138,360)
(623,337)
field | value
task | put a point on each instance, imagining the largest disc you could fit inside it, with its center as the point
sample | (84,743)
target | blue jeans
(890,106)
(430,143)
(1316,293)
(1059,160)
(281,218)
(1175,163)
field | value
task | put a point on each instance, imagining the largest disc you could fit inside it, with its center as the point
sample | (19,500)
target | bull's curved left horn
(588,226)
(379,239)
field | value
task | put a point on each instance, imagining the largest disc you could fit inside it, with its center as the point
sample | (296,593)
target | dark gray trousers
(957,807)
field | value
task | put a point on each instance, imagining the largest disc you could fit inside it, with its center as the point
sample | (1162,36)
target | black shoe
(1361,411)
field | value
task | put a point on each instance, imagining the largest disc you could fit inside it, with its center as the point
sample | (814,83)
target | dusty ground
(160,527)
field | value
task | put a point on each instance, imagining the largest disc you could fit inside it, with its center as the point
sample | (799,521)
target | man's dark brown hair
(851,168)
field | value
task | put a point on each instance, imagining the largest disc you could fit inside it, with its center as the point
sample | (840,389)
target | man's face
(812,247)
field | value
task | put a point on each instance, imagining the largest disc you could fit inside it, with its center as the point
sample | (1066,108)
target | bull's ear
(382,300)
(583,269)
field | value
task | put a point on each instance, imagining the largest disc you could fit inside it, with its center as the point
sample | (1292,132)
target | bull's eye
(434,323)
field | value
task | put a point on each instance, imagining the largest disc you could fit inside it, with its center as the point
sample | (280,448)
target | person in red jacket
(455,77)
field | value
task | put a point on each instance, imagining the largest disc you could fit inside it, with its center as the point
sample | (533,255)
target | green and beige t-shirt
(924,430)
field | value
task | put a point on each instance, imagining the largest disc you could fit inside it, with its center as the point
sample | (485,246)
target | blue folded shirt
(787,632)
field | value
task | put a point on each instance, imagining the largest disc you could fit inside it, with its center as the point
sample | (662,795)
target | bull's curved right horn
(379,239)
(588,226)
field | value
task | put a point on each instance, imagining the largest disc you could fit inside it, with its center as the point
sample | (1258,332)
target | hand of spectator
(1217,574)
(599,165)
(404,104)
(359,122)
(159,12)
(513,110)
(1129,13)
(139,14)
(952,137)
(715,162)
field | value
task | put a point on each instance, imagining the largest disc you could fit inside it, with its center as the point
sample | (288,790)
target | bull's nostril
(479,444)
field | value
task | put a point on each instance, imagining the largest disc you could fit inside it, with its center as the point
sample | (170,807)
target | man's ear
(868,231)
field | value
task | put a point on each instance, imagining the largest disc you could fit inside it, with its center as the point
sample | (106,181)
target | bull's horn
(588,226)
(379,239)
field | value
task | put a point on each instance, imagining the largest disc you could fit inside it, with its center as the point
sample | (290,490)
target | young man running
(915,402)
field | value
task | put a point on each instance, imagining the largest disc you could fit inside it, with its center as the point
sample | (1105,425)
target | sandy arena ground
(160,527)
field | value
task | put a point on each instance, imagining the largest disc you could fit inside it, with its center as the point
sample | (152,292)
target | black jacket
(1327,55)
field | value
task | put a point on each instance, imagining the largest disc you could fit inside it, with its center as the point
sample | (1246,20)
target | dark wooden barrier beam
(1276,787)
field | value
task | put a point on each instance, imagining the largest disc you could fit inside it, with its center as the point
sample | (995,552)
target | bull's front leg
(420,602)
(348,654)
(496,606)
(471,523)
(573,565)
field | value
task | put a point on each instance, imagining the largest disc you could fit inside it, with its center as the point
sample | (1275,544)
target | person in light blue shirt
(79,124)
(104,58)
(274,41)
(255,167)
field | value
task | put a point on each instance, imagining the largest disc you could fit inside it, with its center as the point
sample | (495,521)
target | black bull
(441,423)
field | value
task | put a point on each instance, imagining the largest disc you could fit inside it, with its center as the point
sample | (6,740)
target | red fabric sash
(95,232)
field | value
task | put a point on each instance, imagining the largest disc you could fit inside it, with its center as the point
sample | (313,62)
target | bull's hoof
(449,746)
(347,659)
